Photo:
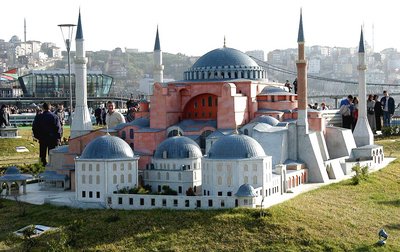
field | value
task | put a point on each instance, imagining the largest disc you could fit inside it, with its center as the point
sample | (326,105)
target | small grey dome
(107,147)
(266,119)
(178,147)
(246,190)
(12,170)
(236,146)
(272,90)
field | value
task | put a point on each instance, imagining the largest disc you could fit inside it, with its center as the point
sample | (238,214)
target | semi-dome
(178,147)
(234,147)
(266,119)
(224,64)
(107,147)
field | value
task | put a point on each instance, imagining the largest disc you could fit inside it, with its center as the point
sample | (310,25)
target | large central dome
(225,64)
(225,56)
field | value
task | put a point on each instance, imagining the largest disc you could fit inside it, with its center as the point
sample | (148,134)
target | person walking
(113,117)
(388,108)
(378,113)
(47,129)
(371,113)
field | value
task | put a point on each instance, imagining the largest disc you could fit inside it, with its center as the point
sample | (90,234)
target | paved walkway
(35,194)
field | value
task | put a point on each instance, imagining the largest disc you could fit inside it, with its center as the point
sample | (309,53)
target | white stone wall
(96,178)
(176,173)
(224,177)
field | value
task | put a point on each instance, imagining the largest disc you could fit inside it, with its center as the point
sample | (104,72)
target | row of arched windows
(121,179)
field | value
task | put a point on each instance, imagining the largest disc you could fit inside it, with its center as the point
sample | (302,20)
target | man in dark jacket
(47,129)
(388,108)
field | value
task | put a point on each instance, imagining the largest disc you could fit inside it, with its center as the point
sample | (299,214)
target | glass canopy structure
(56,84)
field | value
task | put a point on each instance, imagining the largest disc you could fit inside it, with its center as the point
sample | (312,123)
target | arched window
(97,167)
(158,176)
(219,180)
(254,180)
(114,167)
(167,176)
(246,180)
(122,166)
(229,180)
(115,179)
(83,167)
(83,179)
(122,178)
(129,178)
(131,133)
(97,179)
(210,101)
(90,167)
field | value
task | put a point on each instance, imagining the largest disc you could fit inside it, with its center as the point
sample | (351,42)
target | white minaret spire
(362,132)
(81,123)
(158,66)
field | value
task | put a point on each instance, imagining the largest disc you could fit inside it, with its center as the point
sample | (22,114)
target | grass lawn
(337,217)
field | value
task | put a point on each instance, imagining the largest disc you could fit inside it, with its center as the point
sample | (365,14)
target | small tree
(361,173)
(190,192)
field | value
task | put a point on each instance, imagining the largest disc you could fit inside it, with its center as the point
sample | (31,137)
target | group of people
(377,109)
(47,126)
(290,87)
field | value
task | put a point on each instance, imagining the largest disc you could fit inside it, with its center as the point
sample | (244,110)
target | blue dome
(235,147)
(178,147)
(224,57)
(12,170)
(246,190)
(107,147)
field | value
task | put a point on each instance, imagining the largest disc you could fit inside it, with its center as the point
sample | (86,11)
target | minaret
(81,123)
(301,63)
(362,132)
(158,66)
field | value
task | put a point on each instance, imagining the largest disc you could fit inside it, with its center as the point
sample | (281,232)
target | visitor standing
(378,113)
(4,116)
(97,114)
(287,84)
(346,112)
(371,113)
(355,112)
(388,108)
(295,85)
(60,113)
(113,117)
(47,129)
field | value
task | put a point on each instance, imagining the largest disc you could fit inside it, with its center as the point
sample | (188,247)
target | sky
(194,28)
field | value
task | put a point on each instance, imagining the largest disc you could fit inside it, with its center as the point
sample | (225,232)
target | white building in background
(258,54)
(314,66)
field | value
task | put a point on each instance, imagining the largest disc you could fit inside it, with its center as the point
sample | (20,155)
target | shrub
(361,173)
(168,191)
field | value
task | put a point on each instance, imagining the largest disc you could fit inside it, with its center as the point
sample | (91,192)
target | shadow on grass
(391,203)
(392,226)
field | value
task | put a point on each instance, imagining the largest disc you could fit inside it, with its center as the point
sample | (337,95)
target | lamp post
(67,31)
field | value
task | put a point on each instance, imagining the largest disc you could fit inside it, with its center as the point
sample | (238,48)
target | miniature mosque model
(223,137)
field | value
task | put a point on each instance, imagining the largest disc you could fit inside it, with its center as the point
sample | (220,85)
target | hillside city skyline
(184,29)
